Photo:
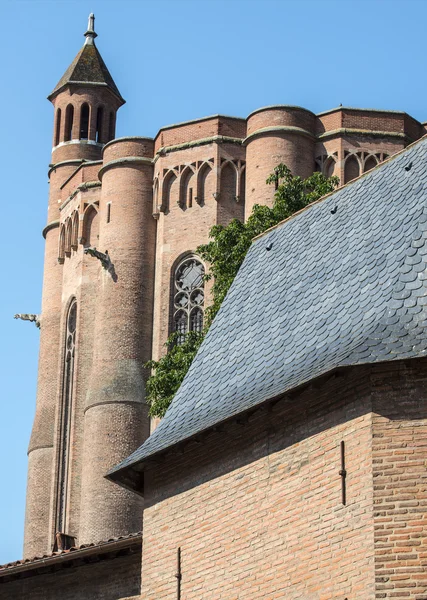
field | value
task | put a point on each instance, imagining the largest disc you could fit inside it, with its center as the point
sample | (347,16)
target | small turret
(86,100)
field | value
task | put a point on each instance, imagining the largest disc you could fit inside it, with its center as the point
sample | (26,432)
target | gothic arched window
(65,418)
(189,297)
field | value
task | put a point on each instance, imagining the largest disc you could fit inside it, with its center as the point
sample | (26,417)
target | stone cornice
(283,107)
(49,226)
(215,139)
(135,160)
(128,138)
(278,129)
(367,132)
(87,185)
(65,163)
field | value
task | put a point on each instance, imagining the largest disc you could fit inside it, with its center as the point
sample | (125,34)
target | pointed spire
(90,33)
(88,66)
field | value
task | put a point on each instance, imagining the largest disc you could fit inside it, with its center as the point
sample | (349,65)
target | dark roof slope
(87,67)
(344,283)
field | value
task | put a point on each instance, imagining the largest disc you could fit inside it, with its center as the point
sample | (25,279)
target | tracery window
(189,297)
(65,422)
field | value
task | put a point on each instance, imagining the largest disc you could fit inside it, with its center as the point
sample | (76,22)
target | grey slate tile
(333,290)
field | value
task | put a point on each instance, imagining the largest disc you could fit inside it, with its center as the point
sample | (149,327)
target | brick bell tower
(90,410)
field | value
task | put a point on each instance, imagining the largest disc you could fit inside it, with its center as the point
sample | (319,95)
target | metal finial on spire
(90,33)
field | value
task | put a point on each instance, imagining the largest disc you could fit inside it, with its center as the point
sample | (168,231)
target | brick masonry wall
(200,128)
(116,420)
(81,280)
(399,454)
(257,511)
(180,230)
(116,579)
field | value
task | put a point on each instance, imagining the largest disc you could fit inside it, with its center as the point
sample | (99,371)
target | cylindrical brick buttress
(276,134)
(116,417)
(38,533)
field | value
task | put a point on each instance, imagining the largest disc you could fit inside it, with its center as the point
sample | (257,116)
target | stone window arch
(68,235)
(75,230)
(329,167)
(186,188)
(90,227)
(188,297)
(352,168)
(203,178)
(370,163)
(168,183)
(228,190)
(61,245)
(156,206)
(65,418)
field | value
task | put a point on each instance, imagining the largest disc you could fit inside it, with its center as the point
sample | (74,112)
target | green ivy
(224,254)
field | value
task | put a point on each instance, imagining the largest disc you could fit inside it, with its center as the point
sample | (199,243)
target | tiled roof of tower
(88,67)
(343,282)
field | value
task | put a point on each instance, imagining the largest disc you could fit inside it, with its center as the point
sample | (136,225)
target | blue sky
(173,60)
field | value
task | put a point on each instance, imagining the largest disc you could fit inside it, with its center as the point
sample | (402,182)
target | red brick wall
(399,454)
(199,129)
(257,510)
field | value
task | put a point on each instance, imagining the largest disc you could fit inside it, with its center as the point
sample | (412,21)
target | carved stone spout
(26,317)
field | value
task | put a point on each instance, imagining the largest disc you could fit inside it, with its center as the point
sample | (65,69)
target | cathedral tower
(78,295)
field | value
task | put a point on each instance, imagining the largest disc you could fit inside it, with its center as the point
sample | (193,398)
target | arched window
(75,231)
(205,183)
(65,417)
(352,169)
(90,227)
(186,188)
(61,249)
(84,122)
(68,235)
(189,297)
(329,167)
(168,190)
(370,163)
(69,117)
(99,117)
(58,127)
(228,183)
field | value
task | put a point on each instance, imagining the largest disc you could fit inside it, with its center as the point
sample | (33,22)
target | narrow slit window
(108,212)
(66,417)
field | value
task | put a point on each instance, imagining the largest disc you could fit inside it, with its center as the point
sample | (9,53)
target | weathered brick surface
(119,578)
(399,453)
(123,323)
(257,510)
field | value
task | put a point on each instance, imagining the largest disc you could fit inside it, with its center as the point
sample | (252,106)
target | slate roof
(87,67)
(343,282)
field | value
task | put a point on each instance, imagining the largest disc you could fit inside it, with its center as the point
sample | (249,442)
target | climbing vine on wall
(224,254)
